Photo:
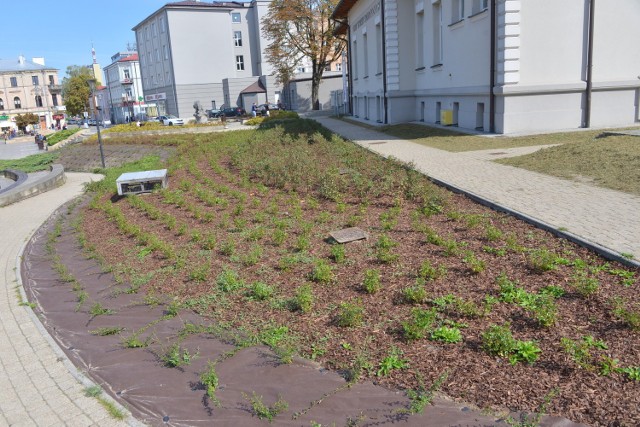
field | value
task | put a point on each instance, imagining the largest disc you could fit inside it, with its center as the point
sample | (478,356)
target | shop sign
(4,117)
(156,97)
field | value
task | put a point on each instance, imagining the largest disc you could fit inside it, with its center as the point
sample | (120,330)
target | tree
(301,29)
(22,120)
(76,90)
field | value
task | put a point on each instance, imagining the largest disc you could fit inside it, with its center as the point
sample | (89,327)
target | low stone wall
(26,189)
(18,177)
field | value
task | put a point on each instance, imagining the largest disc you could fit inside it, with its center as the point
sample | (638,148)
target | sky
(63,32)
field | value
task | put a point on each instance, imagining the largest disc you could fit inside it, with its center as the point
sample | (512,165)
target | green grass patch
(33,163)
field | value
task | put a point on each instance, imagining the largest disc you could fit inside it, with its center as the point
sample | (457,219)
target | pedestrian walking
(4,136)
(254,110)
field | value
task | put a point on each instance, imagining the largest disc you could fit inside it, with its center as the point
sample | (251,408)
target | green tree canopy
(301,29)
(75,89)
(22,120)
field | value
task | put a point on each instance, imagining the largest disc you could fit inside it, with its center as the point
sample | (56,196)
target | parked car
(212,113)
(153,119)
(231,112)
(263,107)
(92,122)
(170,120)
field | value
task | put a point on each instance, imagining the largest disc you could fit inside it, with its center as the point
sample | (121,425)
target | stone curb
(595,247)
(53,179)
(18,176)
(60,354)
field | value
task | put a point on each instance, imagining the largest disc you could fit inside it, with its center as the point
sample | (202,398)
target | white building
(125,98)
(495,65)
(209,52)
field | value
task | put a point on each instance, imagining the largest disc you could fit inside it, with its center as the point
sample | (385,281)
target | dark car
(262,108)
(231,112)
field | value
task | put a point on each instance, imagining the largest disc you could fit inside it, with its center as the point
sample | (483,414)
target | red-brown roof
(342,9)
(133,57)
(256,87)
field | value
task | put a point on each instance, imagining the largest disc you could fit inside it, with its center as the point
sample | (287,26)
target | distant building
(208,52)
(503,66)
(30,87)
(125,97)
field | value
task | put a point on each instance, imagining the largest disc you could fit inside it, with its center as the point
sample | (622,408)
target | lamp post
(92,86)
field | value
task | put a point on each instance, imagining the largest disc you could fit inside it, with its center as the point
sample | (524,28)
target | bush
(349,315)
(371,282)
(497,340)
(61,136)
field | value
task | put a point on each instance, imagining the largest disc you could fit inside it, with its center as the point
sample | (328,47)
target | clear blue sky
(62,32)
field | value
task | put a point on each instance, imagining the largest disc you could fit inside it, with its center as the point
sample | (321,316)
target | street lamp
(92,86)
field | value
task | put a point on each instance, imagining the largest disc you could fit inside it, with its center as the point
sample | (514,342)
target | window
(161,24)
(146,33)
(38,101)
(457,11)
(240,63)
(51,80)
(437,34)
(127,73)
(166,51)
(237,38)
(354,57)
(14,82)
(1,104)
(159,79)
(379,59)
(420,40)
(166,77)
(479,6)
(157,55)
(35,81)
(54,97)
(235,17)
(17,103)
(153,29)
(339,66)
(128,93)
(366,55)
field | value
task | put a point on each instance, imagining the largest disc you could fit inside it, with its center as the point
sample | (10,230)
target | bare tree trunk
(316,79)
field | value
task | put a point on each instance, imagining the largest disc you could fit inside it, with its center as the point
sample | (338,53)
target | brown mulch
(474,376)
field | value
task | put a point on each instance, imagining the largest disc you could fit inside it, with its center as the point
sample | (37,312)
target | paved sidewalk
(606,218)
(36,383)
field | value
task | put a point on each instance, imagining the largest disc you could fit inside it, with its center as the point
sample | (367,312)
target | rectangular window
(166,77)
(51,80)
(366,55)
(420,40)
(339,66)
(157,55)
(239,62)
(437,34)
(14,82)
(237,38)
(327,68)
(54,97)
(378,49)
(127,74)
(161,24)
(153,29)
(457,10)
(159,79)
(235,17)
(479,6)
(354,57)
(166,51)
(35,81)
(146,33)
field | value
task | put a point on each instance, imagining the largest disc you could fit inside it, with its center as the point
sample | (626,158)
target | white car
(170,120)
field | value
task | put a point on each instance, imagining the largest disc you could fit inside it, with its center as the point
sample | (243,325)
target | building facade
(124,94)
(503,66)
(30,87)
(192,51)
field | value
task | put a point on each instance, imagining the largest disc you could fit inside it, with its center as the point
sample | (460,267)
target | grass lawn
(34,163)
(611,162)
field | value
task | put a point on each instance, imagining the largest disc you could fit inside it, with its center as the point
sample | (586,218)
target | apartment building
(208,52)
(503,66)
(124,89)
(29,87)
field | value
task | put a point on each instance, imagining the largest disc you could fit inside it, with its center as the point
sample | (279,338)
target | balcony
(126,82)
(55,88)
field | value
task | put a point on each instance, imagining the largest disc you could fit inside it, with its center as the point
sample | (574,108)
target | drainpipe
(384,64)
(492,72)
(587,106)
(350,62)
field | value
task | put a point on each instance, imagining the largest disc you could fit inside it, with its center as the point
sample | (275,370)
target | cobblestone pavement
(600,216)
(37,384)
